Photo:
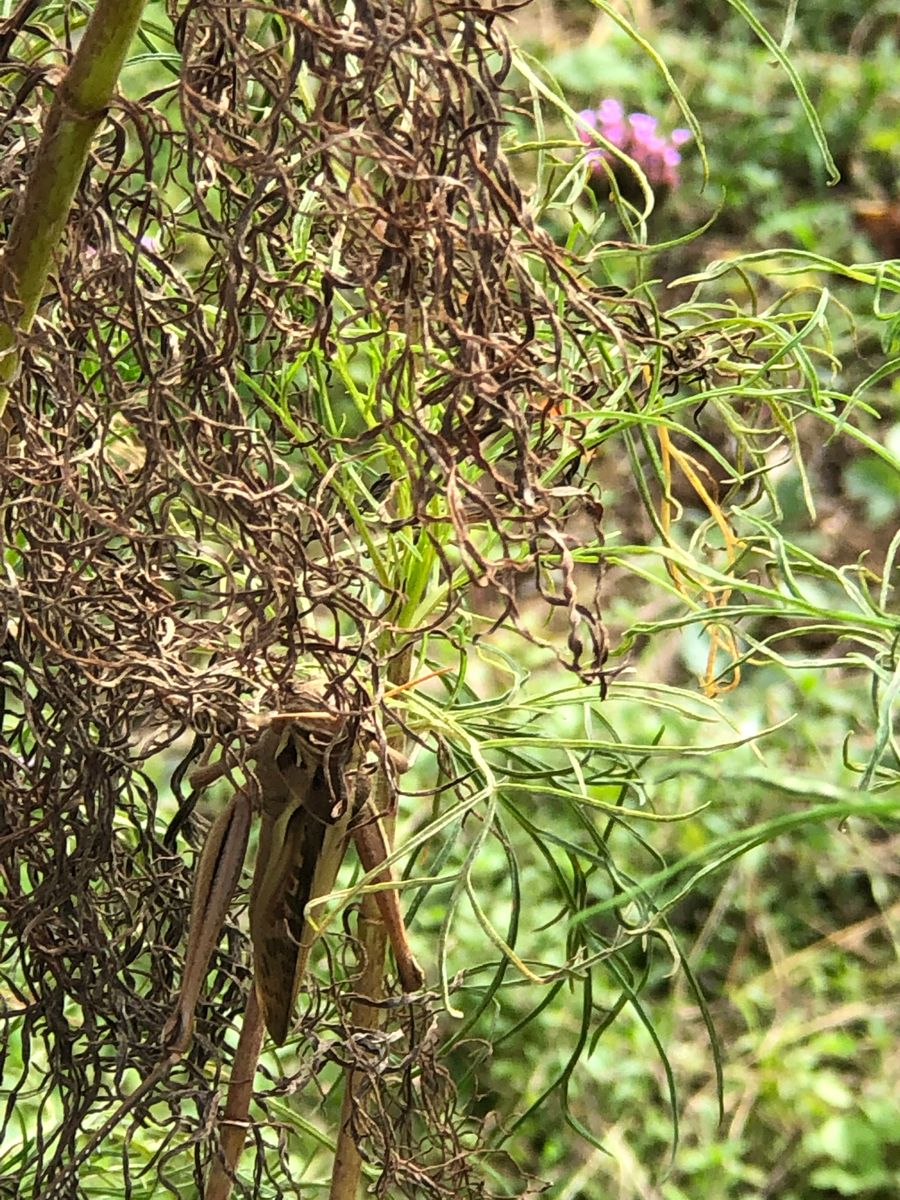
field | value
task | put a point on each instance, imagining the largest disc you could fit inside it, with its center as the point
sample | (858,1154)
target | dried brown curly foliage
(194,504)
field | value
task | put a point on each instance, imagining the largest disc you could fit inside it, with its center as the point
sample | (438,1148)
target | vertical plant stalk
(236,1117)
(373,938)
(79,106)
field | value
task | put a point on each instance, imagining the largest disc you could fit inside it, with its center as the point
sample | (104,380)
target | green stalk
(79,106)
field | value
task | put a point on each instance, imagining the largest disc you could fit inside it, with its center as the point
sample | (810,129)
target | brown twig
(373,846)
(373,939)
(235,1121)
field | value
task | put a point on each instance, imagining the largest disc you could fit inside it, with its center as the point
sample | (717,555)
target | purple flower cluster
(636,135)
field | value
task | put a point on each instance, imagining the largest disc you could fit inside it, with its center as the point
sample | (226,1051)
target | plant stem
(78,108)
(234,1123)
(373,937)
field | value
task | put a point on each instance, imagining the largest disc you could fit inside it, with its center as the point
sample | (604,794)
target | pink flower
(636,136)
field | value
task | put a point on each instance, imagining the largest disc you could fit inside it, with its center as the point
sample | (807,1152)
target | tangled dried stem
(309,373)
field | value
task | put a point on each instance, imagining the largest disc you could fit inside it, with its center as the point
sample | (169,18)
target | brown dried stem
(373,938)
(235,1122)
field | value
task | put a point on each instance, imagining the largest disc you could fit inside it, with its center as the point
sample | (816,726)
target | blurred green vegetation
(766,173)
(794,944)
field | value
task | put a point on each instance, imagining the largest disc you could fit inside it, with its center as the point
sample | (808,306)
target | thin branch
(235,1121)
